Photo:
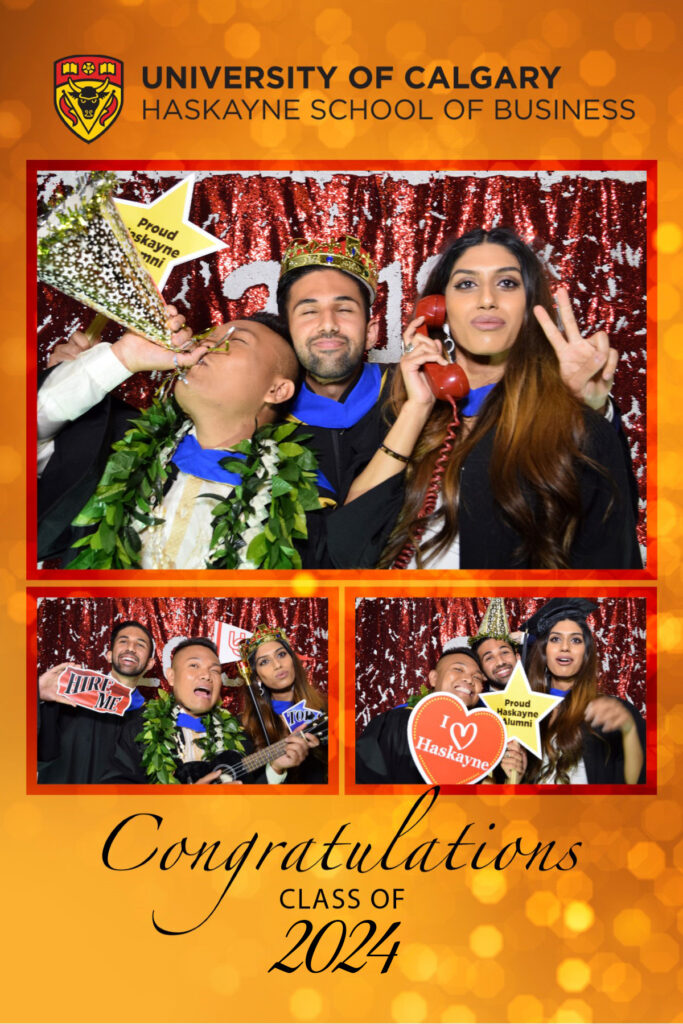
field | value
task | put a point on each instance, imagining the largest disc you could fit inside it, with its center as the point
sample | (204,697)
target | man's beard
(497,683)
(332,366)
(128,672)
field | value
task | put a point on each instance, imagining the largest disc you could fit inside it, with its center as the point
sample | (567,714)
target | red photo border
(412,576)
(330,594)
(465,590)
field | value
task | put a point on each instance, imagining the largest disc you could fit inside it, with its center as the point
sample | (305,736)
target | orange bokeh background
(600,942)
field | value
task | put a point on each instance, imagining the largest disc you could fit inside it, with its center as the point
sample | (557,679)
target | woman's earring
(448,343)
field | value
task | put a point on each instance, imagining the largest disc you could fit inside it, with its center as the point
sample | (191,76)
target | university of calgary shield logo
(88,94)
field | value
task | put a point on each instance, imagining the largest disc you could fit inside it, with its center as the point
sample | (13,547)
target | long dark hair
(562,739)
(539,439)
(275,725)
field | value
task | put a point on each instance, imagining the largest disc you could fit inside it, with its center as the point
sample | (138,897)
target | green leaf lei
(160,737)
(415,698)
(254,527)
(284,473)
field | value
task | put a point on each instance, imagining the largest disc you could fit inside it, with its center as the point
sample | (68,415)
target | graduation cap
(577,609)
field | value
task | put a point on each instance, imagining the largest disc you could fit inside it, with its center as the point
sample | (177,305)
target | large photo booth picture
(522,690)
(398,369)
(181,690)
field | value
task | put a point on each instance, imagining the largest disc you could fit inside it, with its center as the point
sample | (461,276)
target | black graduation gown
(347,537)
(313,769)
(606,538)
(383,752)
(81,450)
(76,745)
(606,535)
(343,453)
(603,752)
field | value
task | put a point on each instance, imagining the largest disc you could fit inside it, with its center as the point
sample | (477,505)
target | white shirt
(71,390)
(191,752)
(184,539)
(448,559)
(577,774)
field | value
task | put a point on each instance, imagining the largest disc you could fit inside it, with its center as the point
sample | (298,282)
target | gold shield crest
(88,93)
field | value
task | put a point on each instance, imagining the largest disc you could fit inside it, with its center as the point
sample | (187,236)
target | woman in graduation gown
(532,477)
(286,700)
(589,737)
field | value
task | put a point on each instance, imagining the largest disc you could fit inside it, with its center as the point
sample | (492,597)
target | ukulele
(233,766)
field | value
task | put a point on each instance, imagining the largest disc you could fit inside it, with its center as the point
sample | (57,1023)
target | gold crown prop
(261,635)
(494,625)
(85,251)
(345,254)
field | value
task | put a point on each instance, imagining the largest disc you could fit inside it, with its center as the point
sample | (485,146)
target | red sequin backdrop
(79,629)
(398,641)
(589,228)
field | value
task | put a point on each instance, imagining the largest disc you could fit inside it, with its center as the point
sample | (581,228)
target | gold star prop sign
(162,233)
(522,709)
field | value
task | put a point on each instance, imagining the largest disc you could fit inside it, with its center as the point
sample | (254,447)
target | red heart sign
(451,745)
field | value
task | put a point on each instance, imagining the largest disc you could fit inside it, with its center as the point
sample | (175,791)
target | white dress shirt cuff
(76,386)
(272,777)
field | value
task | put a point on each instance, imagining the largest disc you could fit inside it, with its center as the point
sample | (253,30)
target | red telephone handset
(448,383)
(443,380)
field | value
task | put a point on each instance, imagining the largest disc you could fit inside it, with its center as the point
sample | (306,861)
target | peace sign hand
(587,365)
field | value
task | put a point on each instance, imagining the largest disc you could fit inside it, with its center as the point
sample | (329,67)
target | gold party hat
(494,625)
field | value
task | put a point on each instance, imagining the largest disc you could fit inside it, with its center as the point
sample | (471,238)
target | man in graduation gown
(76,744)
(179,738)
(495,646)
(227,395)
(383,752)
(325,293)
